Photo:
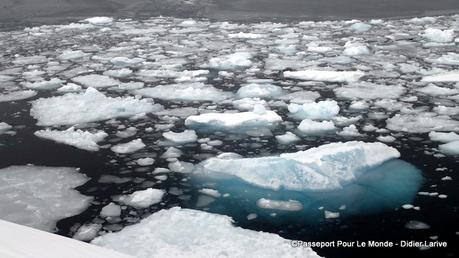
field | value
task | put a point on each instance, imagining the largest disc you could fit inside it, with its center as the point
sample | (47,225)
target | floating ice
(327,167)
(450,148)
(190,233)
(86,107)
(322,110)
(290,205)
(17,95)
(355,49)
(44,85)
(142,199)
(70,87)
(99,21)
(287,138)
(437,91)
(443,137)
(329,76)
(360,27)
(447,59)
(452,76)
(369,91)
(4,127)
(349,131)
(421,123)
(414,224)
(185,92)
(238,60)
(438,36)
(87,232)
(186,136)
(129,147)
(259,90)
(111,210)
(28,198)
(259,118)
(145,161)
(70,55)
(80,139)
(308,126)
(95,81)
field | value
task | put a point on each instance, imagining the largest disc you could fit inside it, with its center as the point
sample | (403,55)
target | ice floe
(80,139)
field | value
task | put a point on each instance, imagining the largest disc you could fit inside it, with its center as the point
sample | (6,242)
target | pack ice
(28,198)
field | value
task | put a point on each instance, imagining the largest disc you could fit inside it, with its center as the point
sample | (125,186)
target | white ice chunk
(287,138)
(452,76)
(99,21)
(421,123)
(329,76)
(129,147)
(327,167)
(17,95)
(54,83)
(89,106)
(186,233)
(355,49)
(84,140)
(145,161)
(290,205)
(185,92)
(369,91)
(443,137)
(450,148)
(143,198)
(111,210)
(238,60)
(186,136)
(308,126)
(95,81)
(260,90)
(438,36)
(322,110)
(40,196)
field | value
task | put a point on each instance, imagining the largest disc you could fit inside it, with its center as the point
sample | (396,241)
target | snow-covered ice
(329,76)
(185,92)
(184,137)
(129,147)
(143,198)
(322,110)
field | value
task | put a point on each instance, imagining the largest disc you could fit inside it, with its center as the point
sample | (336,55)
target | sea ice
(369,91)
(329,76)
(178,232)
(259,90)
(17,95)
(143,198)
(185,92)
(322,110)
(84,140)
(290,205)
(421,123)
(452,76)
(308,126)
(287,138)
(438,36)
(129,147)
(28,198)
(450,148)
(238,60)
(96,81)
(443,137)
(89,106)
(184,137)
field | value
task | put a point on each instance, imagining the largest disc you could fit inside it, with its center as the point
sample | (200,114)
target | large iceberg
(178,232)
(89,106)
(28,198)
(324,168)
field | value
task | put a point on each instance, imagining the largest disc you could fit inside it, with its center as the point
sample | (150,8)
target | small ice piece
(322,110)
(17,95)
(70,87)
(331,215)
(120,73)
(450,58)
(185,92)
(438,36)
(84,140)
(247,104)
(72,54)
(350,131)
(129,132)
(443,137)
(95,81)
(329,76)
(127,62)
(421,123)
(29,60)
(54,83)
(129,147)
(238,60)
(414,224)
(260,90)
(210,192)
(452,76)
(38,197)
(290,205)
(387,138)
(179,232)
(252,216)
(287,138)
(184,137)
(87,232)
(143,198)
(359,105)
(407,206)
(99,21)
(110,210)
(450,148)
(89,106)
(308,126)
(360,27)
(181,167)
(355,49)
(369,91)
(172,152)
(258,118)
(145,161)
(434,90)
(4,127)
